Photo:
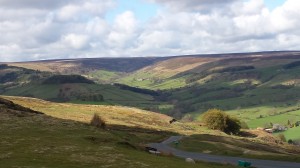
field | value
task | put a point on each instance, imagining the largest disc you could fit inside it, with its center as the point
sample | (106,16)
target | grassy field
(292,133)
(103,76)
(36,140)
(112,95)
(162,75)
(152,81)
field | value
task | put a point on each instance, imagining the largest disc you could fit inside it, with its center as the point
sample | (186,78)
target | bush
(244,125)
(282,137)
(290,141)
(63,79)
(97,121)
(233,125)
(218,120)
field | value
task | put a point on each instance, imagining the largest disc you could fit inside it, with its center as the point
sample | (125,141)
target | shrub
(218,120)
(233,125)
(97,121)
(282,137)
(215,119)
(244,125)
(290,141)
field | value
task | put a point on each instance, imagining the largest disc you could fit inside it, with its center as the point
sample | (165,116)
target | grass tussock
(97,121)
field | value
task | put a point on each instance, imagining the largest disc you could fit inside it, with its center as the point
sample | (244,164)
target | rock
(154,152)
(190,160)
(247,152)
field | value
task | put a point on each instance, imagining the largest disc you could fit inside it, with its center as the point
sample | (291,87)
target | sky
(54,29)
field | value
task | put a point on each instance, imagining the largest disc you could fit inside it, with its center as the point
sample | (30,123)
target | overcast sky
(48,29)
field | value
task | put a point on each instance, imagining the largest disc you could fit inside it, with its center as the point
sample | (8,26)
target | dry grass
(176,65)
(113,115)
(53,66)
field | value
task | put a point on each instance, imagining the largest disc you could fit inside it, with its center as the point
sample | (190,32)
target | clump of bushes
(97,121)
(63,79)
(218,120)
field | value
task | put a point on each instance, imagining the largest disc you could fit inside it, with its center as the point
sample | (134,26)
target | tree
(218,120)
(233,125)
(215,119)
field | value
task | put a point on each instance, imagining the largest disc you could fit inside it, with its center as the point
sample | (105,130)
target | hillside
(18,81)
(83,93)
(71,66)
(11,76)
(40,140)
(162,75)
(62,132)
(260,88)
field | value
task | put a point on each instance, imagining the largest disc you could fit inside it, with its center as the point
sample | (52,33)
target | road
(164,147)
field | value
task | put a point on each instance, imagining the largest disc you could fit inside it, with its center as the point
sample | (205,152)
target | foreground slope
(31,139)
(113,115)
(137,127)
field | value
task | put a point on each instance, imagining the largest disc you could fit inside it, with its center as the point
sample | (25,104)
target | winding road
(164,147)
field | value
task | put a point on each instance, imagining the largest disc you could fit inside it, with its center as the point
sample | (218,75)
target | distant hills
(250,85)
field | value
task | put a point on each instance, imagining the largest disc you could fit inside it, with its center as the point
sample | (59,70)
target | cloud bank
(34,29)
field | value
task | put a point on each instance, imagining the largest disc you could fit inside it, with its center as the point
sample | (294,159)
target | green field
(111,94)
(103,76)
(153,81)
(292,133)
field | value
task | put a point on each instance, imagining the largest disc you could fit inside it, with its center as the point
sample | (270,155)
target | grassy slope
(80,66)
(114,115)
(128,124)
(42,141)
(248,104)
(292,133)
(111,94)
(162,74)
(103,76)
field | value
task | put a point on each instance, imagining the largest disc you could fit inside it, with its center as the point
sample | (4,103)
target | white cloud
(123,31)
(76,41)
(194,5)
(34,29)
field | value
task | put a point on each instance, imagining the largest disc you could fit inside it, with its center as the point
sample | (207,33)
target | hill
(18,81)
(162,75)
(62,136)
(40,140)
(260,88)
(83,93)
(71,66)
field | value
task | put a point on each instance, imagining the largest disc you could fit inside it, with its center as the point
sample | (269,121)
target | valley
(137,97)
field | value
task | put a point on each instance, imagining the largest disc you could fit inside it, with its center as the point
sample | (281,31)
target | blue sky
(271,4)
(144,10)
